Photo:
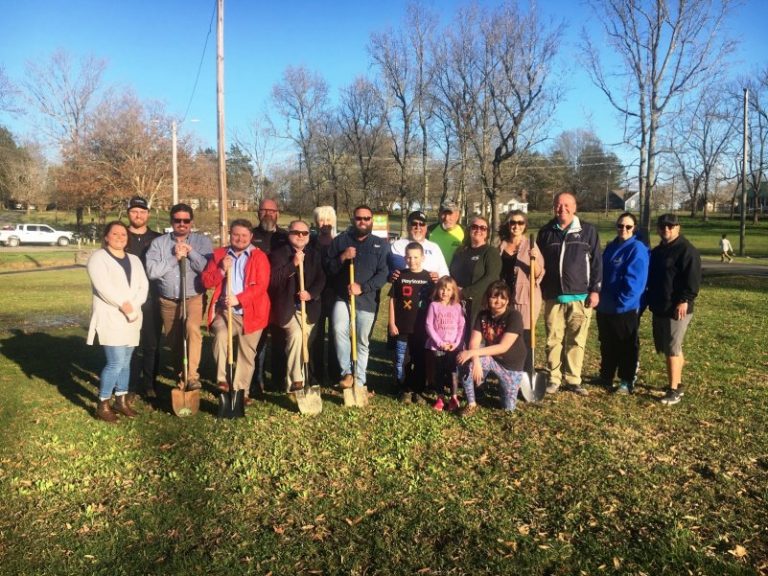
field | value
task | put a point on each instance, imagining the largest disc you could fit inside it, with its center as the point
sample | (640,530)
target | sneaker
(439,405)
(347,381)
(296,386)
(553,387)
(577,389)
(453,405)
(193,385)
(222,386)
(406,398)
(150,392)
(672,397)
(419,399)
(622,389)
(468,410)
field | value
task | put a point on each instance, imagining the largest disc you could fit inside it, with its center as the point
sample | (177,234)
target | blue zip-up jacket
(625,274)
(371,270)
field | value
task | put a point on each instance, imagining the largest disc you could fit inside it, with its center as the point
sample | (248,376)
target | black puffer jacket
(572,259)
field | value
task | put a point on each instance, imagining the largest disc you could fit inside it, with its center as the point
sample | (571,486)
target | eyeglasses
(182,220)
(301,233)
(517,222)
(478,227)
(625,226)
(363,218)
(417,224)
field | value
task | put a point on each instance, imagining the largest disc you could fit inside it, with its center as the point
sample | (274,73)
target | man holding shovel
(359,251)
(287,294)
(164,265)
(248,269)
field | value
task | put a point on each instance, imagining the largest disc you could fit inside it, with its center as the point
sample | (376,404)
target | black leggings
(619,345)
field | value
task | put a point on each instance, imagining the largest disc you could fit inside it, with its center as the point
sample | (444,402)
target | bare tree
(8,94)
(64,94)
(258,144)
(757,158)
(521,50)
(24,175)
(667,49)
(302,99)
(361,117)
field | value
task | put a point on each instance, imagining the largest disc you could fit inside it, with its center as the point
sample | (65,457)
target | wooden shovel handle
(304,335)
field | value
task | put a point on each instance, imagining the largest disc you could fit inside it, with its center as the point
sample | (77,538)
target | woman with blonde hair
(322,360)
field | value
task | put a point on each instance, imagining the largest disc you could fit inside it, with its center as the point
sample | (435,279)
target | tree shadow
(66,362)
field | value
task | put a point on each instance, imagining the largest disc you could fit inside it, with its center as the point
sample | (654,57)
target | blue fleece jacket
(625,273)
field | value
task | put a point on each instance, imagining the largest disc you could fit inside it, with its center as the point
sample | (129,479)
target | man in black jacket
(571,290)
(674,278)
(286,295)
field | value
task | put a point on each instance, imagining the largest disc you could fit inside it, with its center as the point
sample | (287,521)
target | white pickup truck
(16,234)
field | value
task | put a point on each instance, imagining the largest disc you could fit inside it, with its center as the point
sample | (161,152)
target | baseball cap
(668,220)
(449,206)
(418,215)
(138,202)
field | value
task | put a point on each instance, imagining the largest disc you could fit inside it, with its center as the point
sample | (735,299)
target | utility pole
(607,180)
(220,123)
(175,164)
(743,223)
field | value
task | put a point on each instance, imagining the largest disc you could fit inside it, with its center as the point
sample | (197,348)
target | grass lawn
(602,484)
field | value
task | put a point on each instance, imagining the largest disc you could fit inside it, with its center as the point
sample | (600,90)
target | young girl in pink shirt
(445,331)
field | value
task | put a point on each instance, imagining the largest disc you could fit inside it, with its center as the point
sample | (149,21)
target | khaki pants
(245,348)
(293,341)
(567,327)
(170,312)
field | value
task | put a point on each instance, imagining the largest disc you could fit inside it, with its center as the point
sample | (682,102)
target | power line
(200,66)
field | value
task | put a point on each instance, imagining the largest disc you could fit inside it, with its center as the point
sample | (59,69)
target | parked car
(16,234)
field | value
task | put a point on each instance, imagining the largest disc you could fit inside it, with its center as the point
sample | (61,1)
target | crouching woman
(495,345)
(119,289)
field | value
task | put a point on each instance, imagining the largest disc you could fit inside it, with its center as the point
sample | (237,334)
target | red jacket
(253,298)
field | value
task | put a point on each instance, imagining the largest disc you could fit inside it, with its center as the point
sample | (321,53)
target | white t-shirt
(725,245)
(433,256)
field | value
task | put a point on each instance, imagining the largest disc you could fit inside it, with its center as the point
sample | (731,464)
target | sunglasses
(301,233)
(363,218)
(517,222)
(625,226)
(417,224)
(182,220)
(667,225)
(478,227)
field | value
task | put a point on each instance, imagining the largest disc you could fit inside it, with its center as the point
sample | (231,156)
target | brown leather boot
(121,406)
(104,412)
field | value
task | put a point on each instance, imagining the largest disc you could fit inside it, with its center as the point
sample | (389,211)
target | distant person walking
(674,277)
(726,250)
(119,287)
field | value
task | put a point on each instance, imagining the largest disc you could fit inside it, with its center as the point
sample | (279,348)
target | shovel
(231,402)
(184,402)
(357,395)
(533,387)
(308,398)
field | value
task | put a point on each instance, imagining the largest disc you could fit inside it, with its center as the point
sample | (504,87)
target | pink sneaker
(453,405)
(438,405)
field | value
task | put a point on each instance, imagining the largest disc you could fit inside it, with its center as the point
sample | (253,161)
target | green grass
(573,485)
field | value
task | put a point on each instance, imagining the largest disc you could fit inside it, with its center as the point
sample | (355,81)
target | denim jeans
(509,381)
(341,334)
(117,371)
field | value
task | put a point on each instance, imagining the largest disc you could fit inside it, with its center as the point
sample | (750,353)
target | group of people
(460,306)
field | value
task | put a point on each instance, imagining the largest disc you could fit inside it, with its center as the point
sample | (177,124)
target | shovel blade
(232,404)
(361,396)
(533,391)
(309,400)
(185,403)
(349,398)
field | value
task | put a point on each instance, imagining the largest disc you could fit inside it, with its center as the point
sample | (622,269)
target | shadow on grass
(66,362)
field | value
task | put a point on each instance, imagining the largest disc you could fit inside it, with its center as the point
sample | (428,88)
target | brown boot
(121,406)
(104,412)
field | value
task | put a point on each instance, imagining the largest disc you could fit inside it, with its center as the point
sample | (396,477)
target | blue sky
(156,46)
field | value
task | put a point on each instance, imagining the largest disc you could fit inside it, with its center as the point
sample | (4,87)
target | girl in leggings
(495,345)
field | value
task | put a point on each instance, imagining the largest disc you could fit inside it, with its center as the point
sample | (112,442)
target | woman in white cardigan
(119,289)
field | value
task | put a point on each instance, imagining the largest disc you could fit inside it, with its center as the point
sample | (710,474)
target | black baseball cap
(138,202)
(417,216)
(668,220)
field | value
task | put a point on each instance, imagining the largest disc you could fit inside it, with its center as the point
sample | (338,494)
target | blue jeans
(341,334)
(116,373)
(509,381)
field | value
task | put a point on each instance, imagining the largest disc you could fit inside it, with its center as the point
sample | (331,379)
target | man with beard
(268,236)
(287,294)
(140,236)
(369,254)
